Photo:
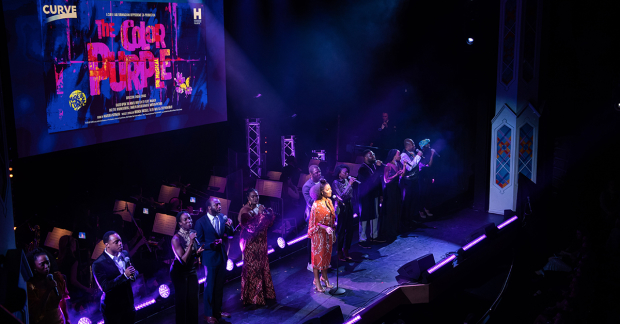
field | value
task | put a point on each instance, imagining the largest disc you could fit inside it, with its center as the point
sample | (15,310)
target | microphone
(51,277)
(435,152)
(195,238)
(128,264)
(349,178)
(337,197)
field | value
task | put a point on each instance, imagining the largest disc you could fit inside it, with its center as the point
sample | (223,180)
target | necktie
(216,220)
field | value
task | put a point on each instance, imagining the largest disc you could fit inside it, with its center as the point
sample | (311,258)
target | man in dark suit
(114,277)
(213,232)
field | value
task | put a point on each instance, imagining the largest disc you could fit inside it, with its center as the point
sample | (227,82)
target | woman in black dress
(183,271)
(392,196)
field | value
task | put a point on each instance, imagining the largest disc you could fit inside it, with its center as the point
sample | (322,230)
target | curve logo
(55,12)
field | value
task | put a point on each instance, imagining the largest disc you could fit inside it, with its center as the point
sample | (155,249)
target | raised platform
(364,281)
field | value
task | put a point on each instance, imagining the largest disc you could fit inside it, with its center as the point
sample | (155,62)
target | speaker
(415,268)
(332,315)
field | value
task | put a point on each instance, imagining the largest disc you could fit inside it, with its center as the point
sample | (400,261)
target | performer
(183,270)
(343,186)
(425,176)
(386,132)
(371,195)
(213,232)
(46,296)
(321,232)
(393,197)
(256,283)
(114,278)
(409,183)
(315,176)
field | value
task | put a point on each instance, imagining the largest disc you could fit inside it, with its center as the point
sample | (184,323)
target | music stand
(269,188)
(217,184)
(225,205)
(54,236)
(125,209)
(302,180)
(99,248)
(167,192)
(274,175)
(165,224)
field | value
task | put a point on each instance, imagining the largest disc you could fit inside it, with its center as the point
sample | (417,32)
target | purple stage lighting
(355,215)
(355,319)
(84,320)
(510,220)
(281,242)
(297,240)
(474,242)
(150,302)
(230,265)
(239,264)
(271,251)
(164,291)
(100,322)
(441,264)
(201,281)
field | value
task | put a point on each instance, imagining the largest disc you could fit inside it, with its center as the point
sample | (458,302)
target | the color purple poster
(111,62)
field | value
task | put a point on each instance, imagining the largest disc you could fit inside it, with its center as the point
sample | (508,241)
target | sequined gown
(256,283)
(321,241)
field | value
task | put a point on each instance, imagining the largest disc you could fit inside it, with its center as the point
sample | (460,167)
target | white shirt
(120,262)
(212,220)
(409,164)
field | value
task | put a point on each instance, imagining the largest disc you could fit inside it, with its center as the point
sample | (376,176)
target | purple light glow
(150,302)
(230,265)
(239,264)
(510,220)
(354,320)
(164,291)
(281,242)
(270,251)
(474,242)
(100,322)
(201,281)
(297,240)
(84,320)
(355,215)
(441,264)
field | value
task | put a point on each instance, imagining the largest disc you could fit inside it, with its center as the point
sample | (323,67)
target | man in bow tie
(213,231)
(114,276)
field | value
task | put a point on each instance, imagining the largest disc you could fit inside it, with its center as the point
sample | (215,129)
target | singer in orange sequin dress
(321,230)
(256,283)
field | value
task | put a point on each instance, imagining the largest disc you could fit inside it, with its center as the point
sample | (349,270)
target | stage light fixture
(271,251)
(230,265)
(10,169)
(164,291)
(11,175)
(239,264)
(150,302)
(508,221)
(201,281)
(15,227)
(355,215)
(145,211)
(85,320)
(289,243)
(355,319)
(281,242)
(441,264)
(192,199)
(470,41)
(474,242)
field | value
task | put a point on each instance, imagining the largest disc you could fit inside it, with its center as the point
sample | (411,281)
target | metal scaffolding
(252,134)
(288,147)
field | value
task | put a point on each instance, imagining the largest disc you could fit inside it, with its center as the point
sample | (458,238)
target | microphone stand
(337,290)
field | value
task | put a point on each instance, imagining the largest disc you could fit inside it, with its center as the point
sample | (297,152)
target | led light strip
(355,319)
(474,242)
(297,240)
(510,220)
(441,264)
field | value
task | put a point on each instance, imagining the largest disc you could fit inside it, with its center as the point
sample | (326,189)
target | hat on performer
(424,142)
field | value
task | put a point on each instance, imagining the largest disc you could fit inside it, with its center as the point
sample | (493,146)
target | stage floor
(296,300)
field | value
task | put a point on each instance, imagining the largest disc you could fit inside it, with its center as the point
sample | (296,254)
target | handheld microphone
(195,239)
(357,181)
(337,197)
(128,264)
(51,277)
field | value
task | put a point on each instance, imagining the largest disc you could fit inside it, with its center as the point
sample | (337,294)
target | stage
(364,281)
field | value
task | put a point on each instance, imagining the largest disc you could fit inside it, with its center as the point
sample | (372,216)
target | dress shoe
(224,314)
(210,320)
